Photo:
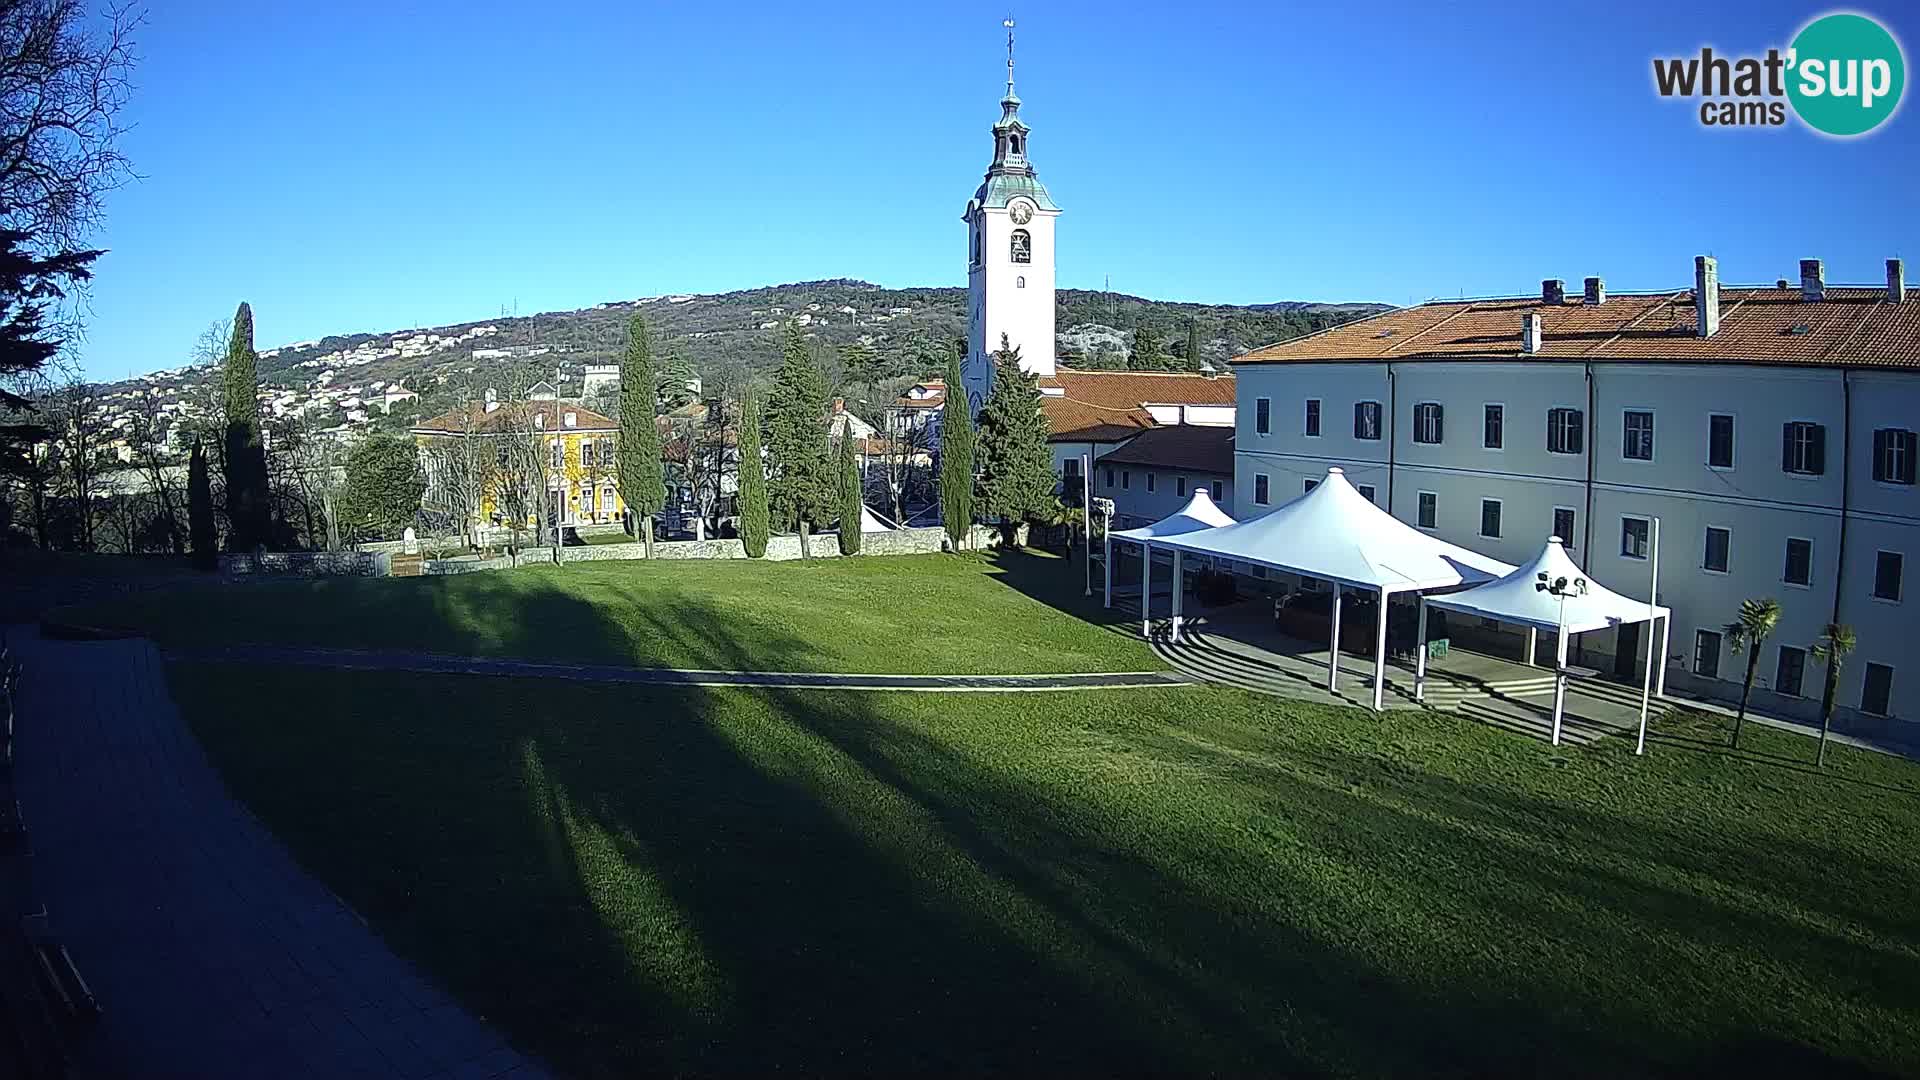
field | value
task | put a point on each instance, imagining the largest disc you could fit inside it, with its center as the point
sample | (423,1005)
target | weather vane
(1008,23)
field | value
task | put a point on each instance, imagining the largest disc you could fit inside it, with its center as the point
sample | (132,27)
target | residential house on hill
(582,444)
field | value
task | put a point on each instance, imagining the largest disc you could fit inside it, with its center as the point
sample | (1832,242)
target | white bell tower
(1009,255)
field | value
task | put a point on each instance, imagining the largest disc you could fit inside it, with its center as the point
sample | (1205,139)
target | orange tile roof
(1198,447)
(1851,326)
(1107,406)
(474,416)
(1076,421)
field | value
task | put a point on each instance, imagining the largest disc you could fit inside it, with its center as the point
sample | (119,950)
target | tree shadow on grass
(692,880)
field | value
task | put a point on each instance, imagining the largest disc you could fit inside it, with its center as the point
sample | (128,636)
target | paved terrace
(213,954)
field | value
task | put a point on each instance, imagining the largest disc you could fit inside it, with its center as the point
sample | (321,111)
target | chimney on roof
(1813,280)
(1596,290)
(1553,291)
(1896,281)
(1783,283)
(1706,294)
(1531,334)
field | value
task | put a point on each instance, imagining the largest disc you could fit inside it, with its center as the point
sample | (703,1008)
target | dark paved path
(211,951)
(434,663)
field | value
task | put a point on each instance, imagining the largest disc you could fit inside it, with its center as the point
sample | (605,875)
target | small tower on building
(1010,255)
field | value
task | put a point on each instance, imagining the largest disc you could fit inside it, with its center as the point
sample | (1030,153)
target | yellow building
(576,466)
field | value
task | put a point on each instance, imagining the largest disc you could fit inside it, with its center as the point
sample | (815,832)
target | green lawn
(633,880)
(931,614)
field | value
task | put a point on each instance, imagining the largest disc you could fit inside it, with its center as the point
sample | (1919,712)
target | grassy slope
(1178,879)
(900,614)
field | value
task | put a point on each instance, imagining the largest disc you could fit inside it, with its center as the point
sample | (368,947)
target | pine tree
(675,380)
(1193,345)
(642,484)
(1016,464)
(847,467)
(200,525)
(246,453)
(753,480)
(802,489)
(956,458)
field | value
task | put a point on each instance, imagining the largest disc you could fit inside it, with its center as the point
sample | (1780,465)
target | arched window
(1015,142)
(1020,282)
(1022,246)
(976,246)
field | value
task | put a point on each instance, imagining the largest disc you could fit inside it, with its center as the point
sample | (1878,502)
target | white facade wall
(1143,494)
(1755,500)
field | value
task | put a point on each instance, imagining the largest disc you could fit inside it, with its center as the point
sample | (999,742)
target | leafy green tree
(246,453)
(200,526)
(1147,352)
(754,525)
(1016,464)
(847,466)
(802,490)
(674,388)
(1836,641)
(642,483)
(1757,622)
(957,445)
(384,486)
(867,366)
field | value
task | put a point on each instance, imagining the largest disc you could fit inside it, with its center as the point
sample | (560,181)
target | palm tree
(1836,641)
(1758,619)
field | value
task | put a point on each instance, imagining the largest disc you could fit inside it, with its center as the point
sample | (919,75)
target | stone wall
(779,549)
(308,564)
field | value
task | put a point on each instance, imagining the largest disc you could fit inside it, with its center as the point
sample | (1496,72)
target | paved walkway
(212,953)
(435,663)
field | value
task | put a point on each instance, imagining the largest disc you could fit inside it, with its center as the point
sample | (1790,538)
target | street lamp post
(1560,588)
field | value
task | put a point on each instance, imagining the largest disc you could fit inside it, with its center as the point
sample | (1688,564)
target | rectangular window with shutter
(1803,448)
(1493,433)
(1313,418)
(1427,417)
(1888,568)
(1799,569)
(1893,456)
(1563,526)
(1719,545)
(1566,431)
(1719,441)
(1260,489)
(1633,537)
(1366,420)
(1262,416)
(1490,518)
(1790,674)
(1365,490)
(1876,693)
(1636,437)
(1179,485)
(1218,488)
(1429,509)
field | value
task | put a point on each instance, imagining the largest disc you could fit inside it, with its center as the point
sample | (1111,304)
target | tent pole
(1333,645)
(1380,652)
(1560,672)
(1420,655)
(1179,587)
(1646,677)
(1146,591)
(1107,539)
(1533,642)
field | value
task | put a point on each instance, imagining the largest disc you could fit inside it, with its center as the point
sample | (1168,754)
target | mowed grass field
(689,881)
(1016,613)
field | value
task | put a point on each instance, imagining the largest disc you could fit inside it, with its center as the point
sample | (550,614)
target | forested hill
(729,335)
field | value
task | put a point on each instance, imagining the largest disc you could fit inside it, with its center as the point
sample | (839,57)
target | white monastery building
(1771,430)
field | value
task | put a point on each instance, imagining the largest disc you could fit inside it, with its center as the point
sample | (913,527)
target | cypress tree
(1193,344)
(246,457)
(753,480)
(851,500)
(802,490)
(674,380)
(638,473)
(956,458)
(1016,464)
(200,526)
(1147,352)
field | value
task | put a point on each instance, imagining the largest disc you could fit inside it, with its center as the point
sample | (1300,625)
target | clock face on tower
(1021,211)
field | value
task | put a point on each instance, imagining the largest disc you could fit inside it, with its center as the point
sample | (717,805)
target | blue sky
(376,166)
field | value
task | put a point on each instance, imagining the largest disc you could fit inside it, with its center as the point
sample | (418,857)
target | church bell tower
(1010,255)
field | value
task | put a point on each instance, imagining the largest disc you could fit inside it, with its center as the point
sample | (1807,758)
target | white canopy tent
(1533,596)
(1199,513)
(1336,533)
(871,522)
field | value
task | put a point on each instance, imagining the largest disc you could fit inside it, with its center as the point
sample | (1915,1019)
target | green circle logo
(1846,74)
